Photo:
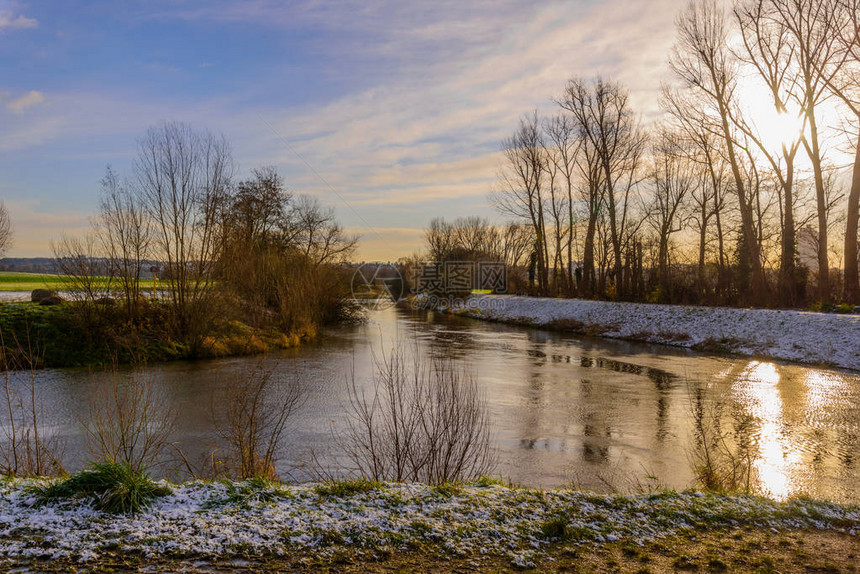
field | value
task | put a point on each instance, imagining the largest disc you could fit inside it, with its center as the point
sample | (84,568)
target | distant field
(11,281)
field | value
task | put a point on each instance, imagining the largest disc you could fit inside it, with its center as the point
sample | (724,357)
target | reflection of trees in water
(722,453)
(441,333)
(664,382)
(596,432)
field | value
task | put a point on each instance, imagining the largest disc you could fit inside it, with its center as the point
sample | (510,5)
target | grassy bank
(54,336)
(483,526)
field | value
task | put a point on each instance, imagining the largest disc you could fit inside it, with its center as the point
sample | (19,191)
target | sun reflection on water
(823,391)
(758,390)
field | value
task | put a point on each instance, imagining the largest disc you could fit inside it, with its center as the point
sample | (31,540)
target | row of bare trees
(715,203)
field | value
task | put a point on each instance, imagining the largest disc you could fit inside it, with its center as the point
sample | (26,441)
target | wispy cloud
(28,100)
(419,136)
(420,126)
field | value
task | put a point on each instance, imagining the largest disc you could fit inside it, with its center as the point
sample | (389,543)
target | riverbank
(481,526)
(60,336)
(806,337)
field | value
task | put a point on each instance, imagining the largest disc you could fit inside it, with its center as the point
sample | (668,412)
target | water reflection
(562,408)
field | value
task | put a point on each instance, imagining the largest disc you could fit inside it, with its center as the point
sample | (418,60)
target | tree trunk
(588,279)
(821,201)
(852,282)
(787,268)
(703,238)
(757,286)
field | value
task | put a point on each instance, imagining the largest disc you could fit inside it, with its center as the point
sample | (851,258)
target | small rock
(52,300)
(37,295)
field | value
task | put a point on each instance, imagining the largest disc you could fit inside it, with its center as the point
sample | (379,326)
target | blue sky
(390,111)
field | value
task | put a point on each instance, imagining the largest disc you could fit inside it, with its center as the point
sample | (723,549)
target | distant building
(807,247)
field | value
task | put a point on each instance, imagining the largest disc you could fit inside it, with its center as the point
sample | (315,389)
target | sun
(775,129)
(781,130)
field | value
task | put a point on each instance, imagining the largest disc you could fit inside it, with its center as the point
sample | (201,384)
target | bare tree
(812,28)
(603,116)
(83,272)
(183,177)
(845,85)
(709,197)
(27,448)
(522,193)
(703,62)
(6,235)
(257,213)
(768,49)
(562,132)
(675,179)
(125,233)
(439,237)
(317,234)
(515,242)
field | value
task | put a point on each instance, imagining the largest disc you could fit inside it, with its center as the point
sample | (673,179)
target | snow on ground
(221,520)
(820,338)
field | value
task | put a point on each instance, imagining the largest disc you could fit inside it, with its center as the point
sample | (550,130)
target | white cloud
(18,105)
(10,21)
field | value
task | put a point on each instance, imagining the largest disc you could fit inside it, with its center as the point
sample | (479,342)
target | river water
(594,413)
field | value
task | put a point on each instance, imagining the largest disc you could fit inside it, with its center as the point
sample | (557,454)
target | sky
(390,111)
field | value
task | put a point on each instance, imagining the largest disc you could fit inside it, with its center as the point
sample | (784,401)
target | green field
(11,281)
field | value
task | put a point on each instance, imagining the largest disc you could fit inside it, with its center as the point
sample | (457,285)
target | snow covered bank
(820,338)
(253,518)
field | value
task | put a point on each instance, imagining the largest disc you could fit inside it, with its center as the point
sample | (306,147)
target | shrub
(721,458)
(251,414)
(111,487)
(424,421)
(821,307)
(27,447)
(130,420)
(558,528)
(846,309)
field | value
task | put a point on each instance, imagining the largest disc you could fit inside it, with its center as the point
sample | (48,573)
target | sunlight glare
(776,129)
(761,395)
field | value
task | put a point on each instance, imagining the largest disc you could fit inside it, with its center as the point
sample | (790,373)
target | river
(592,413)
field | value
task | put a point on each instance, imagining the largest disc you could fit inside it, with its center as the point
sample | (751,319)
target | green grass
(13,281)
(112,487)
(347,488)
(10,281)
(253,491)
